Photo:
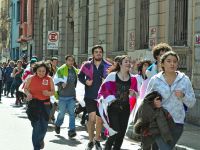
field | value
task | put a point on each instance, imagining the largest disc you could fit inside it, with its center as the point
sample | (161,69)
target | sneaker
(57,129)
(83,123)
(89,146)
(12,96)
(97,145)
(72,134)
(103,136)
(20,103)
(42,145)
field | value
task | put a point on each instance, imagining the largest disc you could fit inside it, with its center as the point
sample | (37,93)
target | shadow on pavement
(23,117)
(52,128)
(62,140)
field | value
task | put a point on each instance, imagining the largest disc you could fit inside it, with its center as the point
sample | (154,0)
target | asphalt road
(16,132)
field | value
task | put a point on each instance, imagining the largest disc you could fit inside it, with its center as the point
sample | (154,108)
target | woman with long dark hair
(177,94)
(115,92)
(41,88)
(17,75)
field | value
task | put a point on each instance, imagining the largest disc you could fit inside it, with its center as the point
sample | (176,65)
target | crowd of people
(156,98)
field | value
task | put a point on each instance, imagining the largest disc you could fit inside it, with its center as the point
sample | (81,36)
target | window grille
(144,24)
(181,23)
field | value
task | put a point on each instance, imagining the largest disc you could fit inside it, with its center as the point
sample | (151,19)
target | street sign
(52,40)
(6,52)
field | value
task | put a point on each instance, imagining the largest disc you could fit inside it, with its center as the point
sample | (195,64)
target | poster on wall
(197,39)
(131,45)
(153,32)
(152,43)
(131,38)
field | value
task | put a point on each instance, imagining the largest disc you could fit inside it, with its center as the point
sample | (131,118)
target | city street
(16,131)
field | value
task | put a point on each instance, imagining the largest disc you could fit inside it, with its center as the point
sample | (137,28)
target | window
(87,27)
(52,20)
(121,25)
(181,24)
(18,11)
(25,12)
(14,11)
(71,3)
(144,24)
(58,19)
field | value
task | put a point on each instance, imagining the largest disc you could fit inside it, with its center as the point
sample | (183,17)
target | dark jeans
(40,129)
(17,92)
(176,134)
(9,83)
(118,119)
(4,86)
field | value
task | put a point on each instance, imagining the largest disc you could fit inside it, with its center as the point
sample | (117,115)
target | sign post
(53,40)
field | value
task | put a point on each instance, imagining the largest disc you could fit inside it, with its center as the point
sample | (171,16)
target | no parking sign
(52,40)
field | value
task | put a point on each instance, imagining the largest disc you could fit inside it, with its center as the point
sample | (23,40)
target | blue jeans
(68,105)
(176,134)
(40,129)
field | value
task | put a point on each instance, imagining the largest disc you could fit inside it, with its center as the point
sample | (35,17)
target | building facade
(25,36)
(15,22)
(5,28)
(130,27)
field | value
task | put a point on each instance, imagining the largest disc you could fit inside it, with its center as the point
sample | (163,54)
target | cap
(33,60)
(117,58)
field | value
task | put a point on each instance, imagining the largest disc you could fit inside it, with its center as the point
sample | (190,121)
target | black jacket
(36,106)
(150,121)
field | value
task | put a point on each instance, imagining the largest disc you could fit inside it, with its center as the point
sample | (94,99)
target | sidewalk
(190,139)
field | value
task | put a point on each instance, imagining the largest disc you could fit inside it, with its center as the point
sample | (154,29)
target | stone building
(130,27)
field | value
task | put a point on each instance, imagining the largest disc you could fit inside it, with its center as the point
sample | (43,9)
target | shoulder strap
(171,92)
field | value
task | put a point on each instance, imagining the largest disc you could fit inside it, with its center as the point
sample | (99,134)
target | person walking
(121,85)
(1,77)
(17,75)
(41,88)
(66,80)
(24,64)
(92,75)
(142,66)
(9,79)
(4,87)
(54,69)
(176,90)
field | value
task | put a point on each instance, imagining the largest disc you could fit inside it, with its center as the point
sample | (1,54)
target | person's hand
(179,93)
(157,102)
(45,93)
(64,85)
(89,82)
(29,97)
(113,100)
(17,72)
(132,93)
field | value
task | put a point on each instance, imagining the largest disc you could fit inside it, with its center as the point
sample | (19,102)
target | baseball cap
(33,60)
